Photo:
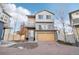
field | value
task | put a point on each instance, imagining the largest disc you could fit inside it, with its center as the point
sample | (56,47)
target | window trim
(40,16)
(48,16)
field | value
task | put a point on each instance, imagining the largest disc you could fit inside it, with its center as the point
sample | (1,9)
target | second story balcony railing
(52,28)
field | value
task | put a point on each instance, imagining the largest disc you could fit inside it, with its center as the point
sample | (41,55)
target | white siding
(45,26)
(44,13)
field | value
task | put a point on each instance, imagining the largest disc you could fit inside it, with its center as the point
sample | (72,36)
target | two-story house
(41,27)
(74,21)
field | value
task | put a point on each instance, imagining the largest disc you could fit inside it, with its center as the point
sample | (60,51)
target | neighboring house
(74,21)
(41,27)
(4,16)
(1,29)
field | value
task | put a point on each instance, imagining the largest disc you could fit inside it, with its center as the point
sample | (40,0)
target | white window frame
(48,17)
(40,16)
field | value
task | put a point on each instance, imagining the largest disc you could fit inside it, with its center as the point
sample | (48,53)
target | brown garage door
(45,36)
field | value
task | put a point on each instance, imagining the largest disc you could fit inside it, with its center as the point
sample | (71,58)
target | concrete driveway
(44,48)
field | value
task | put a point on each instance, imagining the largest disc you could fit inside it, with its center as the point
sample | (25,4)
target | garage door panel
(45,36)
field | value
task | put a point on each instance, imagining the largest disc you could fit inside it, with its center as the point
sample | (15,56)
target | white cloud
(18,14)
(9,7)
(15,12)
(23,11)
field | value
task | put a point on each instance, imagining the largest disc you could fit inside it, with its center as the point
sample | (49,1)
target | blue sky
(53,7)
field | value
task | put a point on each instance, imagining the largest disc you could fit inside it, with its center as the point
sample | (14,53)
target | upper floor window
(48,16)
(40,16)
(4,17)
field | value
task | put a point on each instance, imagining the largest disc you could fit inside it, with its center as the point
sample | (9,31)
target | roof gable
(46,11)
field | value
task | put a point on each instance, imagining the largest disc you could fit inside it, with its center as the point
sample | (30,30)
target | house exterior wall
(31,19)
(75,22)
(75,15)
(44,26)
(31,22)
(6,19)
(44,13)
(1,30)
(29,26)
(75,18)
(44,23)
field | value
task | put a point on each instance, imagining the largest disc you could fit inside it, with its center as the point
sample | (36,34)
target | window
(50,26)
(48,16)
(40,27)
(40,16)
(44,27)
(5,18)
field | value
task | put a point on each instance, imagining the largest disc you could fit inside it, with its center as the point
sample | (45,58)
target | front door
(31,35)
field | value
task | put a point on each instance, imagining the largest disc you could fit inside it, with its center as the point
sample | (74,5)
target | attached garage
(45,35)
